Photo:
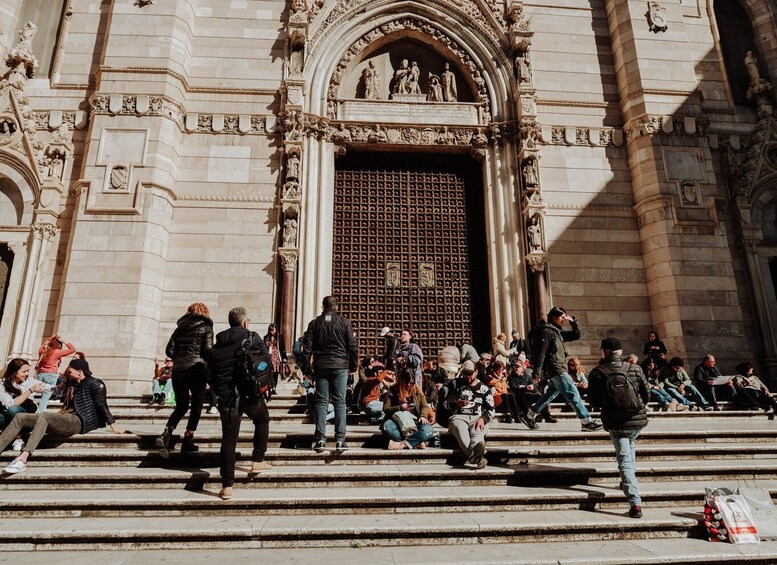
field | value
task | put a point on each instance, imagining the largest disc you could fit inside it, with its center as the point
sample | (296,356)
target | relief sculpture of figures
(293,166)
(530,174)
(435,93)
(290,233)
(402,78)
(371,82)
(535,235)
(449,90)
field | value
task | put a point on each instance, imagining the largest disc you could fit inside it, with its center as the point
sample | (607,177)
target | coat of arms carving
(657,17)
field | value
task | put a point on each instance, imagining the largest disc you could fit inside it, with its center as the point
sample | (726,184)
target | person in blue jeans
(331,341)
(622,392)
(549,361)
(406,396)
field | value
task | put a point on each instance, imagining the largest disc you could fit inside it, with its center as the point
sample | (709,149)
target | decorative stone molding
(44,231)
(416,25)
(749,245)
(20,60)
(668,125)
(537,262)
(137,105)
(342,133)
(53,119)
(590,137)
(289,258)
(656,16)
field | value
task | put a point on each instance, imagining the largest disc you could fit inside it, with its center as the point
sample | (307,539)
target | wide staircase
(547,496)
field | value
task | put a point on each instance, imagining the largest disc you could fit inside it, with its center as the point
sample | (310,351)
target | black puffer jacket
(90,404)
(191,342)
(330,340)
(597,389)
(549,356)
(224,358)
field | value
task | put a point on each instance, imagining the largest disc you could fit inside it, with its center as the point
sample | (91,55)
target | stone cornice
(185,83)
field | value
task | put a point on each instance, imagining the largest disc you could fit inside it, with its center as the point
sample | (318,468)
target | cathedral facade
(451,166)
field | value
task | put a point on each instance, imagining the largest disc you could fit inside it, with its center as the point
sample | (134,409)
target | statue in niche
(751,62)
(435,93)
(522,70)
(290,233)
(414,86)
(449,90)
(295,63)
(535,235)
(371,79)
(402,78)
(530,177)
(293,166)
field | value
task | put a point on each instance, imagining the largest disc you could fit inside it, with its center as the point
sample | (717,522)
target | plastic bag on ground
(763,510)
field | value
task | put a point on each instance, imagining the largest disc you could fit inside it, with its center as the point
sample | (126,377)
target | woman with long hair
(577,372)
(51,354)
(406,396)
(189,348)
(655,349)
(274,342)
(16,393)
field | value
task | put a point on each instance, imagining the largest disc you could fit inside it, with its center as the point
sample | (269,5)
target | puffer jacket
(191,342)
(90,404)
(549,356)
(597,389)
(224,358)
(331,342)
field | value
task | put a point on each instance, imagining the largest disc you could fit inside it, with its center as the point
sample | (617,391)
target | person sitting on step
(678,384)
(374,390)
(16,392)
(408,398)
(526,392)
(162,381)
(657,392)
(504,399)
(84,408)
(471,406)
(577,372)
(704,376)
(750,389)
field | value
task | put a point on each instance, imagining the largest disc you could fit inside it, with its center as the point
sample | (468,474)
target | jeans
(674,393)
(695,395)
(564,385)
(374,410)
(162,387)
(62,425)
(191,380)
(254,408)
(45,396)
(661,396)
(26,407)
(391,431)
(334,382)
(625,452)
(463,429)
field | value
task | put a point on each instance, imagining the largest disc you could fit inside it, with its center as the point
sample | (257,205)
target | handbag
(405,422)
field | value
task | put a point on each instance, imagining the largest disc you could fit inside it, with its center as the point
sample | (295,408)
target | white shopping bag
(763,510)
(737,518)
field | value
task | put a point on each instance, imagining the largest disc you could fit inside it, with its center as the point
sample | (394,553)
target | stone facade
(184,150)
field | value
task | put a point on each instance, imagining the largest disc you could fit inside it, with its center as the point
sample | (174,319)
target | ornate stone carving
(393,275)
(689,194)
(293,125)
(44,231)
(377,135)
(656,16)
(156,106)
(144,3)
(292,191)
(371,78)
(300,12)
(450,91)
(537,263)
(119,178)
(8,129)
(289,259)
(758,85)
(426,275)
(290,232)
(530,175)
(523,69)
(534,231)
(402,77)
(293,164)
(435,93)
(20,60)
(750,246)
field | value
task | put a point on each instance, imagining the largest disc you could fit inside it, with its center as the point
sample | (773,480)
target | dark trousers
(510,405)
(256,409)
(188,382)
(711,393)
(525,399)
(752,397)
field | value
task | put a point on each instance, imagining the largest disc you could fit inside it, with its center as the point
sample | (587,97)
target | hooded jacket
(331,342)
(224,358)
(549,355)
(191,342)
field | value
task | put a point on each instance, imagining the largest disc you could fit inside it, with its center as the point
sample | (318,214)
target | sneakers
(547,418)
(259,466)
(635,512)
(18,444)
(163,443)
(154,399)
(188,445)
(694,408)
(226,493)
(213,410)
(477,459)
(319,446)
(435,442)
(341,446)
(16,466)
(528,420)
(709,408)
(591,426)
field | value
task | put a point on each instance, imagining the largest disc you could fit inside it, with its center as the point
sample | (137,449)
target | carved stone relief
(119,178)
(393,278)
(426,275)
(656,16)
(290,233)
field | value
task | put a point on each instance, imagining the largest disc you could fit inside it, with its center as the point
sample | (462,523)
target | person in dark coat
(655,349)
(389,347)
(623,426)
(189,348)
(704,376)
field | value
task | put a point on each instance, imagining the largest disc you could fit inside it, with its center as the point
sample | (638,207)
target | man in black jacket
(622,392)
(232,403)
(704,376)
(549,360)
(84,408)
(331,342)
(390,346)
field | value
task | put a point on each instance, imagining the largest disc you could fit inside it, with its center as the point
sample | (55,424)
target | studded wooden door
(409,248)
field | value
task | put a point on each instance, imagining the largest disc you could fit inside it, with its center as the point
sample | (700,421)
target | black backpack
(621,398)
(254,370)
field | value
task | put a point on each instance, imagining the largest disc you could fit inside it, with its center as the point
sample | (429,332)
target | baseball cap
(80,365)
(467,368)
(384,331)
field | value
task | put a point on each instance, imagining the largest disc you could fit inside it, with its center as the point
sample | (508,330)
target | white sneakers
(213,410)
(16,466)
(18,445)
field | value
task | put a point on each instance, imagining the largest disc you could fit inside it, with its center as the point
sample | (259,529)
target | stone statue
(371,79)
(20,60)
(377,135)
(449,90)
(341,135)
(413,84)
(293,166)
(522,71)
(435,93)
(535,235)
(530,174)
(290,233)
(751,62)
(402,78)
(26,34)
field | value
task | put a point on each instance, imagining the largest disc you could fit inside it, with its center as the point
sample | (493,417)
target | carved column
(289,259)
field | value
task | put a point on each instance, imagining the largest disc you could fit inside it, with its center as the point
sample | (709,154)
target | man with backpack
(622,392)
(238,362)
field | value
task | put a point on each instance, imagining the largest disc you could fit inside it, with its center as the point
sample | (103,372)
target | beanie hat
(611,344)
(555,312)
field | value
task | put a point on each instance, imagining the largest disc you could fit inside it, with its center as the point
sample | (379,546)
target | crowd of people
(399,389)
